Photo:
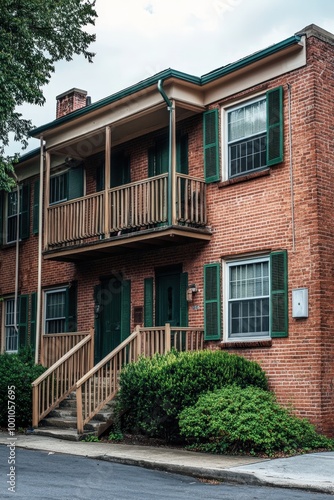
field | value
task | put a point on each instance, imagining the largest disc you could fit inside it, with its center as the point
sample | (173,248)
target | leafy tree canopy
(34,34)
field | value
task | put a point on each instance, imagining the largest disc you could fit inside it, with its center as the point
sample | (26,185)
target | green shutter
(35,218)
(183,299)
(126,309)
(99,175)
(279,294)
(211,145)
(162,157)
(120,169)
(23,320)
(33,315)
(274,126)
(182,154)
(151,161)
(212,324)
(2,229)
(71,308)
(75,184)
(148,302)
(25,212)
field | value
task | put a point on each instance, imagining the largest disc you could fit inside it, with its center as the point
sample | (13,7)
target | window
(58,188)
(256,298)
(247,138)
(254,134)
(67,185)
(248,299)
(55,311)
(60,310)
(11,215)
(11,326)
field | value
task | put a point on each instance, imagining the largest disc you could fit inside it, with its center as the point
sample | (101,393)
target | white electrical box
(300,303)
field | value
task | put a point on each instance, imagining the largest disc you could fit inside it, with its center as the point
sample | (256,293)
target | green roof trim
(166,74)
(257,56)
(28,156)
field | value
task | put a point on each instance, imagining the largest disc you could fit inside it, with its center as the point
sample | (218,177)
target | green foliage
(90,438)
(116,436)
(155,390)
(35,34)
(18,371)
(247,420)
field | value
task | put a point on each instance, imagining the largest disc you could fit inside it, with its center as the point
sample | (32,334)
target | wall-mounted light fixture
(190,291)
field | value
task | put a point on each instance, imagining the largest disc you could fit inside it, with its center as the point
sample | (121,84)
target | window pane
(58,188)
(10,330)
(247,138)
(55,312)
(249,299)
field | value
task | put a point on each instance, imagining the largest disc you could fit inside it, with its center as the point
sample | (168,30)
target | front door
(168,300)
(112,316)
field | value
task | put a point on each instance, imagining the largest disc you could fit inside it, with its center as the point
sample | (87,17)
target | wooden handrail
(97,387)
(59,380)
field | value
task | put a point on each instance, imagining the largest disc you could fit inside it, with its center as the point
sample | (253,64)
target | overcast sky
(138,38)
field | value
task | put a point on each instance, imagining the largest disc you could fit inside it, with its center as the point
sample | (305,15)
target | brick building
(202,202)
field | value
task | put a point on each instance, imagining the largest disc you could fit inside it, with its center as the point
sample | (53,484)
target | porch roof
(169,74)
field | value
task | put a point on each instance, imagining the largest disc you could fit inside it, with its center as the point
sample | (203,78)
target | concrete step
(56,432)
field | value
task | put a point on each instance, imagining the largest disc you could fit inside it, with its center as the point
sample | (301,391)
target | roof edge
(166,74)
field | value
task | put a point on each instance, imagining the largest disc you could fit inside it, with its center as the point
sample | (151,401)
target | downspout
(17,256)
(291,175)
(40,242)
(170,152)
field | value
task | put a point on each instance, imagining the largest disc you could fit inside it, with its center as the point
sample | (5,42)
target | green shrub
(249,420)
(155,390)
(18,371)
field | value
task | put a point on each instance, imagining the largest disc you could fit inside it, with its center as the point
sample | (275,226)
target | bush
(155,390)
(19,371)
(247,420)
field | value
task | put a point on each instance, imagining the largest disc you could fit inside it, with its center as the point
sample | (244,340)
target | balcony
(130,217)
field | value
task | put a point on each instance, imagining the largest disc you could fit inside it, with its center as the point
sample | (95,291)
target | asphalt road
(47,476)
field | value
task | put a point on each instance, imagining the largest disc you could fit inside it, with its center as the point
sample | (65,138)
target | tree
(34,34)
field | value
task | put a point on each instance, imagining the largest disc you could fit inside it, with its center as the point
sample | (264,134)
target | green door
(112,316)
(168,300)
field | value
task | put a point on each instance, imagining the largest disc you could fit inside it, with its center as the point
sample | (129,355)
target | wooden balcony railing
(100,385)
(136,205)
(59,380)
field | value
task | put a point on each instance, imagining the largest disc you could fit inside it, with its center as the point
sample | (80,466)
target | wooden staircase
(73,398)
(61,422)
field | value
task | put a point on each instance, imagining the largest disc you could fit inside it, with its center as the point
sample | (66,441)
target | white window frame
(225,142)
(11,325)
(226,287)
(45,319)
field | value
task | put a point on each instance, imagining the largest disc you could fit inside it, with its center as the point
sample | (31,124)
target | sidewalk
(313,472)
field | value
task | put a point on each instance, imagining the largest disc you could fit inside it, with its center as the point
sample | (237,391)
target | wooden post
(79,410)
(167,338)
(107,209)
(138,342)
(91,358)
(35,406)
(173,169)
(46,199)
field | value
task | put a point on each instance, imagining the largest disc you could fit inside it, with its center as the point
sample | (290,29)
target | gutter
(170,73)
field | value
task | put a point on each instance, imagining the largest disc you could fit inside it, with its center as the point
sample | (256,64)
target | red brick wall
(251,216)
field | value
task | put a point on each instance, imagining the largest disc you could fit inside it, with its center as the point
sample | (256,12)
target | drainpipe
(170,153)
(40,242)
(17,255)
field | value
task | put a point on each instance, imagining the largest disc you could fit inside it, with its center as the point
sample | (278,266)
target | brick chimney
(69,101)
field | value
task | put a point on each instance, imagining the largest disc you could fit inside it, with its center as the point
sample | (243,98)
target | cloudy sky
(138,38)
